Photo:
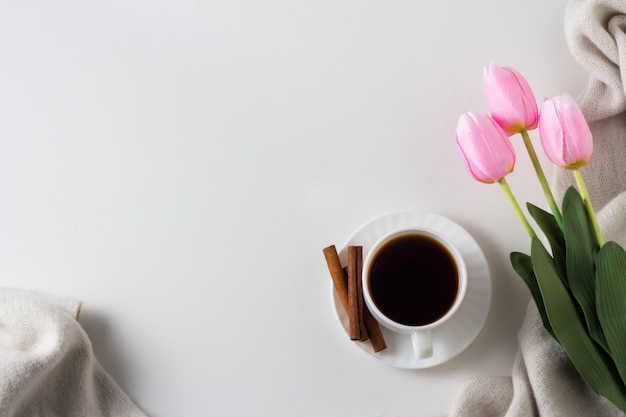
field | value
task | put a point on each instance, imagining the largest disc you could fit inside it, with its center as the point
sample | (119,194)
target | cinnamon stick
(357,264)
(339,277)
(354,328)
(340,281)
(372,327)
(359,288)
(373,331)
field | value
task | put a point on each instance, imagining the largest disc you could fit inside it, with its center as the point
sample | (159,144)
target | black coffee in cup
(413,279)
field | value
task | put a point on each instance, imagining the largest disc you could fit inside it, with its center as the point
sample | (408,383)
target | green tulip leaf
(611,301)
(580,247)
(522,264)
(592,362)
(554,234)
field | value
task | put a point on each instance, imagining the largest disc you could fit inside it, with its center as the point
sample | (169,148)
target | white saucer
(456,334)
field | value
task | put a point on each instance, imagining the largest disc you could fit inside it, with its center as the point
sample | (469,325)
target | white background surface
(179,166)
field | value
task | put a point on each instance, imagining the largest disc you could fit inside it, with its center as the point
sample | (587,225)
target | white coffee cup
(414,280)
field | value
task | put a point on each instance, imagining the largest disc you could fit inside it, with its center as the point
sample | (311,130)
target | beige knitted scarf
(47,365)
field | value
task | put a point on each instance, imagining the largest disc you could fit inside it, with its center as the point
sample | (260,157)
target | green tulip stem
(590,212)
(516,208)
(542,178)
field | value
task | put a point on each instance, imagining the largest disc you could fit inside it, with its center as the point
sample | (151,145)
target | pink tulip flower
(510,99)
(486,149)
(564,132)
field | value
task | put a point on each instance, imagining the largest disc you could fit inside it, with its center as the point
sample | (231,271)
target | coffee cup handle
(422,344)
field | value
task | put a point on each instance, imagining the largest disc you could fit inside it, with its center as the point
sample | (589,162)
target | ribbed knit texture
(47,365)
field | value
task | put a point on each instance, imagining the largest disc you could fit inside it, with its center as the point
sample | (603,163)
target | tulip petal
(485,148)
(510,99)
(564,132)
